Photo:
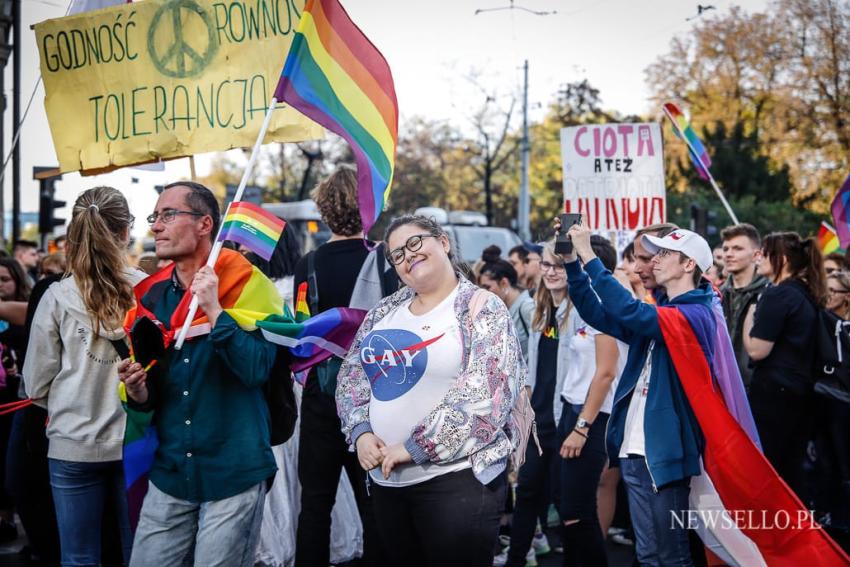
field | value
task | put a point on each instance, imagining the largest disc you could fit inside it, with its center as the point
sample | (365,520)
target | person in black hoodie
(329,277)
(779,337)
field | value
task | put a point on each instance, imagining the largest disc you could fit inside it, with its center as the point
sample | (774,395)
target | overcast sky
(432,47)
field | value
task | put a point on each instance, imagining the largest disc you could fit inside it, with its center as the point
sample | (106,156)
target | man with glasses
(652,433)
(208,479)
(741,255)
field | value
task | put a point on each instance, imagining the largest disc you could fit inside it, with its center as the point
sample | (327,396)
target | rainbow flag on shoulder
(336,77)
(253,227)
(254,303)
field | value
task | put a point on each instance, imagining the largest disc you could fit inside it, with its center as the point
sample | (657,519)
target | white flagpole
(216,249)
(704,168)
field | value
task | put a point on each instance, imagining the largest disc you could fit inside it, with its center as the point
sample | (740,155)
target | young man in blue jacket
(652,432)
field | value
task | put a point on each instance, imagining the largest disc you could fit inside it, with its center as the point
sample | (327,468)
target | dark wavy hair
(336,198)
(22,287)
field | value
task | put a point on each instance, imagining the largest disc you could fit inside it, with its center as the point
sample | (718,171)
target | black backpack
(832,357)
(280,397)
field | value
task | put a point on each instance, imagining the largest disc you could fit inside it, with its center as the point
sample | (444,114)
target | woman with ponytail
(778,336)
(71,370)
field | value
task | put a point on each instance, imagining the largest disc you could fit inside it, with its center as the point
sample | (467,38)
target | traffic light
(703,221)
(6,22)
(47,204)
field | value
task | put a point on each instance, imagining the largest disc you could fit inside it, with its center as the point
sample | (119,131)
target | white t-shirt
(582,367)
(634,440)
(411,362)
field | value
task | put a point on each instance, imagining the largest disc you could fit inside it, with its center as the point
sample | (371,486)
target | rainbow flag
(724,491)
(840,208)
(252,226)
(828,239)
(254,303)
(696,150)
(302,308)
(337,78)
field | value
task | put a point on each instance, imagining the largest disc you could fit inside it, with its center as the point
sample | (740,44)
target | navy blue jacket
(673,438)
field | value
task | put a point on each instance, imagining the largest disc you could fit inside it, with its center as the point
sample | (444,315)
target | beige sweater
(73,373)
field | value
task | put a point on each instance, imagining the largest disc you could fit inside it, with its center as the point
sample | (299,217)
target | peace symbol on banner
(185,55)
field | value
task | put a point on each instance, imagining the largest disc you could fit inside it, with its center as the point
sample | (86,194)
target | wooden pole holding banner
(216,249)
(192,173)
(704,168)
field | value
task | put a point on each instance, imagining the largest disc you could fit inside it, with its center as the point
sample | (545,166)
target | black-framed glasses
(546,266)
(168,215)
(414,243)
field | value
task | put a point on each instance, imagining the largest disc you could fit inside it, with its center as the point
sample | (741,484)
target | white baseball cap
(687,242)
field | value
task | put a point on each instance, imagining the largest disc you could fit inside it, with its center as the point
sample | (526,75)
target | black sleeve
(300,275)
(772,310)
(35,296)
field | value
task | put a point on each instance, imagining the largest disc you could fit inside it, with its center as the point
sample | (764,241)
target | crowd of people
(417,446)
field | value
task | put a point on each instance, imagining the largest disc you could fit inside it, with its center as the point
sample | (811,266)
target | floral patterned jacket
(472,420)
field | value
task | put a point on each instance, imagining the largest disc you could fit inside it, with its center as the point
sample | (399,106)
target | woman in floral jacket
(425,395)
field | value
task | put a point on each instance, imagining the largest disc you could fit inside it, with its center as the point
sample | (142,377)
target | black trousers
(322,455)
(583,541)
(449,521)
(533,494)
(784,422)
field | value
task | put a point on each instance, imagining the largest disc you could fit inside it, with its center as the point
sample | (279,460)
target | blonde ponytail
(96,250)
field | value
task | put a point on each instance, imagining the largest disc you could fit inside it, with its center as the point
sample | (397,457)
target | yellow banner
(160,79)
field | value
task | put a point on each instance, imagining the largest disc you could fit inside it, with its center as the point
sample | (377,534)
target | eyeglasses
(414,243)
(832,291)
(132,222)
(168,215)
(545,266)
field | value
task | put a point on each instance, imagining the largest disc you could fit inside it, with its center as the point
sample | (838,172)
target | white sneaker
(502,559)
(540,544)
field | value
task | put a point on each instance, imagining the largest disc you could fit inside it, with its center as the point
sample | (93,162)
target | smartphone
(563,243)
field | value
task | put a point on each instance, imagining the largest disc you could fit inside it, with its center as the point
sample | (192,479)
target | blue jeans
(221,533)
(80,493)
(659,540)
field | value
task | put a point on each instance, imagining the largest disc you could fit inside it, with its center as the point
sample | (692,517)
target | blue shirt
(210,412)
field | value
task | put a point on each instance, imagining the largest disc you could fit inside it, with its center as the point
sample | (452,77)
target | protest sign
(166,78)
(614,175)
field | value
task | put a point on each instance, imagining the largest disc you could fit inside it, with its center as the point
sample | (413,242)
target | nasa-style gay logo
(394,360)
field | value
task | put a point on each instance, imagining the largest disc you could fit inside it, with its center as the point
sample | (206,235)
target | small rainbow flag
(302,308)
(252,226)
(840,209)
(828,239)
(699,156)
(337,78)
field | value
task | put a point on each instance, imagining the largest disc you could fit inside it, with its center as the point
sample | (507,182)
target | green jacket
(736,302)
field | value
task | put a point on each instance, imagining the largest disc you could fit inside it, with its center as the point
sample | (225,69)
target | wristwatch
(582,423)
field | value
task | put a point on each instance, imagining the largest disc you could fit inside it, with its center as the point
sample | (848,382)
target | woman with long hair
(548,344)
(72,371)
(425,395)
(779,339)
(498,276)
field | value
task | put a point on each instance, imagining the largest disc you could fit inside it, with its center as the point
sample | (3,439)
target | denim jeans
(174,532)
(81,492)
(659,540)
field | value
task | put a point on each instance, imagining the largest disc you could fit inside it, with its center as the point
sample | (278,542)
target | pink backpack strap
(476,304)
